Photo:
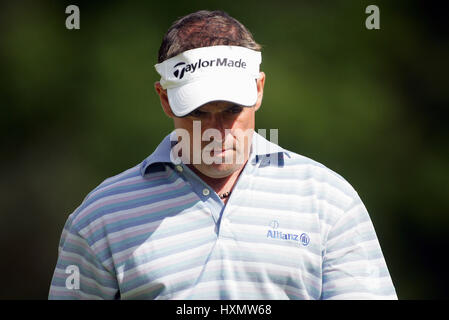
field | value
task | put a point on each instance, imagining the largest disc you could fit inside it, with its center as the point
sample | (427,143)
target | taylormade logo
(181,68)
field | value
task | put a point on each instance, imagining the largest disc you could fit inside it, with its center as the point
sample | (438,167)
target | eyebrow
(232,105)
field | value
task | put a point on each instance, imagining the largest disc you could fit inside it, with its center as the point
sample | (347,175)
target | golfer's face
(224,132)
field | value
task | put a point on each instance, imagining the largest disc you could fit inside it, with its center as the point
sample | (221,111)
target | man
(217,211)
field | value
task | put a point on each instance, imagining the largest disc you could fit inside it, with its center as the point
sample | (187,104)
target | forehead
(216,106)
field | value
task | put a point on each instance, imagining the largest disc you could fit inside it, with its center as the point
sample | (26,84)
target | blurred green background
(78,106)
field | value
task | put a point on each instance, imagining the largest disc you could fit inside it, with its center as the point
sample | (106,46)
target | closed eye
(197,113)
(235,109)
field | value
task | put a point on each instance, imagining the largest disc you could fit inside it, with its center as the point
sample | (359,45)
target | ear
(260,86)
(162,93)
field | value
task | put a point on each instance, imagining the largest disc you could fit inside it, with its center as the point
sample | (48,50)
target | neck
(220,185)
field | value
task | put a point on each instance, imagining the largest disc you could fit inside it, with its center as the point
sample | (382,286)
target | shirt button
(179,168)
(206,191)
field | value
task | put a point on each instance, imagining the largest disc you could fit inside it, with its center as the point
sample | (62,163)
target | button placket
(225,229)
(244,181)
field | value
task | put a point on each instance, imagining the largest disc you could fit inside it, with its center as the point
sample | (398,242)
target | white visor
(216,73)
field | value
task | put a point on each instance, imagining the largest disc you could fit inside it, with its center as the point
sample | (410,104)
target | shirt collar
(261,148)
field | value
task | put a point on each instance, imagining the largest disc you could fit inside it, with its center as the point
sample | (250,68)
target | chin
(218,170)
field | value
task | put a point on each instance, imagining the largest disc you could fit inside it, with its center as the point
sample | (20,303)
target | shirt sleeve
(79,274)
(353,264)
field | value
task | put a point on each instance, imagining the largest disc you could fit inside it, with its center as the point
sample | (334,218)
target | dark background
(78,106)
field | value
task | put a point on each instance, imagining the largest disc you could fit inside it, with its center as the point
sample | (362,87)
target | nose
(218,122)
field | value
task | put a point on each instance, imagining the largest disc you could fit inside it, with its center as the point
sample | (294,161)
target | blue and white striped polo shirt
(291,229)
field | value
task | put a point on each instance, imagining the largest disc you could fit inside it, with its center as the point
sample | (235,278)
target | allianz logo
(302,239)
(181,68)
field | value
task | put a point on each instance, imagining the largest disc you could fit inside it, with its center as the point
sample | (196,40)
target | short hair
(203,29)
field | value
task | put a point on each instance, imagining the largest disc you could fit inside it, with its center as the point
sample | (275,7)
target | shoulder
(331,196)
(114,194)
(326,184)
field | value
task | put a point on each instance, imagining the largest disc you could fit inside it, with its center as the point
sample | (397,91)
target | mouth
(220,152)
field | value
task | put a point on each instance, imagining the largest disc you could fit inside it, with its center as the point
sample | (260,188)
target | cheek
(245,120)
(243,132)
(185,130)
(185,125)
